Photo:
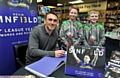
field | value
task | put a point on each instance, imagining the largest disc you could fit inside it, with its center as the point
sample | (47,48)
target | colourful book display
(112,72)
(85,62)
(46,66)
(115,59)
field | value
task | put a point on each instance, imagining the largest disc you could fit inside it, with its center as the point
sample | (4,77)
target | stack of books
(114,59)
(113,69)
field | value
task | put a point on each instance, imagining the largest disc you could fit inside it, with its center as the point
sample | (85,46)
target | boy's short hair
(74,7)
(93,11)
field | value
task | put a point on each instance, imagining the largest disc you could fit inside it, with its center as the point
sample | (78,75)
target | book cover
(46,66)
(112,72)
(114,59)
(85,62)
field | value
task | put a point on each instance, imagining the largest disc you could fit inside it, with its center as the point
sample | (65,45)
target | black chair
(20,53)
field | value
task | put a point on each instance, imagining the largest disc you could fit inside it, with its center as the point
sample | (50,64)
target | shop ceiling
(66,2)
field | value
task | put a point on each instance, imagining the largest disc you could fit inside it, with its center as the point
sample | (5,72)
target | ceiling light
(59,4)
(51,7)
(75,2)
(39,1)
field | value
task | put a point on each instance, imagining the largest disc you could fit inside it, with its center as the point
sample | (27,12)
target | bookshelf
(42,10)
(83,17)
(112,15)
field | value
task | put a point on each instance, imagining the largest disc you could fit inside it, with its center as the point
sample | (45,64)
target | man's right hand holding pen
(60,53)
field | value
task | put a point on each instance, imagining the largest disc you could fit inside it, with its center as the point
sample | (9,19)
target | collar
(91,24)
(53,32)
(72,21)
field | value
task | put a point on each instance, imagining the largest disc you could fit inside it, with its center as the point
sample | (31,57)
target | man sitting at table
(42,40)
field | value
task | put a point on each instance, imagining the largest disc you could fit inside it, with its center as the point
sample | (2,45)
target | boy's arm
(84,39)
(62,36)
(80,37)
(102,37)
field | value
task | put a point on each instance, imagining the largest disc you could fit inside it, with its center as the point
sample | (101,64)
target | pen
(62,49)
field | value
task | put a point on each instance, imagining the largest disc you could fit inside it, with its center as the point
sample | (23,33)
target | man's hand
(59,53)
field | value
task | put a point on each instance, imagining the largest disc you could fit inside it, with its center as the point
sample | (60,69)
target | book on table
(46,66)
(85,61)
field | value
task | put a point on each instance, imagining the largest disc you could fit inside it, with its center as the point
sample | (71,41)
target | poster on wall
(17,18)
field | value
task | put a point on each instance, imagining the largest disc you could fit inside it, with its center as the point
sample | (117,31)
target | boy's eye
(73,13)
(94,16)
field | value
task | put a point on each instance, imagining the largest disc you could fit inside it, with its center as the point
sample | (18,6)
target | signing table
(110,44)
(57,74)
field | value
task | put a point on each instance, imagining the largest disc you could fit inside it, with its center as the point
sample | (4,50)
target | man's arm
(35,49)
(94,60)
(75,56)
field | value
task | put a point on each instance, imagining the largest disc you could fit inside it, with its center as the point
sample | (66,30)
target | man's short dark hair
(51,13)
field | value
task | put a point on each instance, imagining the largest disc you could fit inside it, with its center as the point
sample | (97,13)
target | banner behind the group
(17,18)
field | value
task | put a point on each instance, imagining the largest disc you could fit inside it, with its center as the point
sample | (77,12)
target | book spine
(35,72)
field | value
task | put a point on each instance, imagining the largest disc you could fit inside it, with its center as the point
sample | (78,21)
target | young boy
(93,31)
(71,29)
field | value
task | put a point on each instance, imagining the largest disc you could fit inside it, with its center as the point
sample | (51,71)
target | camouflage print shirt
(94,35)
(73,28)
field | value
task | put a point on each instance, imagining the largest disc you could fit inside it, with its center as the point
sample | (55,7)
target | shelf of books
(42,10)
(112,15)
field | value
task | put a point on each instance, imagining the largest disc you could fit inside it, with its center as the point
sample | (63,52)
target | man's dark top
(40,44)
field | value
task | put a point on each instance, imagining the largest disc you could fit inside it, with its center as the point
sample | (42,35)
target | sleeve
(79,33)
(33,46)
(102,36)
(62,34)
(80,36)
(79,24)
(84,37)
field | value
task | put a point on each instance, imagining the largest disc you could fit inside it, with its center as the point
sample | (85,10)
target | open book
(46,66)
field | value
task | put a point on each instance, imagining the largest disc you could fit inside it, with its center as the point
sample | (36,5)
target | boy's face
(73,14)
(93,17)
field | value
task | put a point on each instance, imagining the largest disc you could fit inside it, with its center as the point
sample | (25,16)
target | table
(111,45)
(57,74)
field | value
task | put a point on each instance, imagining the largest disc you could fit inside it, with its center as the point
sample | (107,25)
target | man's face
(86,59)
(50,22)
(93,18)
(73,14)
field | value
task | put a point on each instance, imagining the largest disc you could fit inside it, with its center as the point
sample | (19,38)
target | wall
(89,6)
(101,6)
